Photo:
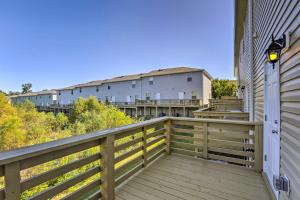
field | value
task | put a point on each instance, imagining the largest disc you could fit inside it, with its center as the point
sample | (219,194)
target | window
(72,92)
(108,87)
(59,93)
(151,81)
(133,84)
(49,97)
(194,95)
(35,97)
(189,78)
(148,96)
(80,90)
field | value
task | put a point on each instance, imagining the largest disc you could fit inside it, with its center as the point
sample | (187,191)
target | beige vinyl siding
(278,17)
(206,84)
(290,112)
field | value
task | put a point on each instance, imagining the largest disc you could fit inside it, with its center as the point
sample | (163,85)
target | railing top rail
(48,147)
(222,121)
(221,112)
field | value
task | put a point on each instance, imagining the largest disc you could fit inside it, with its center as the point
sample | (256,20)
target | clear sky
(58,43)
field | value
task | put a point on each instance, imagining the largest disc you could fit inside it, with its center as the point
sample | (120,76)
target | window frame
(151,81)
(189,78)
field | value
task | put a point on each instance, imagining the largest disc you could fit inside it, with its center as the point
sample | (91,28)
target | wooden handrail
(221,115)
(232,141)
(125,150)
(48,147)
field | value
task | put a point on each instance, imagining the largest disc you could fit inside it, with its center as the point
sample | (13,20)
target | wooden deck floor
(176,177)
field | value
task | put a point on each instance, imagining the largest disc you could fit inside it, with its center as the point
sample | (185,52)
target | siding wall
(206,90)
(168,86)
(38,100)
(278,17)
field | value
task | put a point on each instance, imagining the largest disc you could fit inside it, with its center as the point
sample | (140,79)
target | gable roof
(44,92)
(159,72)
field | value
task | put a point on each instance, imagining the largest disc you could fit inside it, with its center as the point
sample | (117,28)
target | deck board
(175,177)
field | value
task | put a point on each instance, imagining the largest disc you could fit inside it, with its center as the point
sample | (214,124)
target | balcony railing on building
(161,102)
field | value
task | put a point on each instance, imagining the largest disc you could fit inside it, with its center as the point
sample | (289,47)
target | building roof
(159,72)
(176,70)
(44,92)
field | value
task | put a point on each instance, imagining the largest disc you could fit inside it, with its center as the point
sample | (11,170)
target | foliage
(1,92)
(23,125)
(223,87)
(11,133)
(89,115)
(26,88)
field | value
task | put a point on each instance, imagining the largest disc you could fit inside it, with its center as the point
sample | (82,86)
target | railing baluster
(258,145)
(144,147)
(205,139)
(107,162)
(167,126)
(12,181)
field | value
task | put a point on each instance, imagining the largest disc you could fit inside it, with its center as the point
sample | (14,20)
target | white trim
(266,65)
(251,103)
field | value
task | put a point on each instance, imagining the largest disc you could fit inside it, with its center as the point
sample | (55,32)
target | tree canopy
(2,92)
(26,88)
(223,87)
(23,125)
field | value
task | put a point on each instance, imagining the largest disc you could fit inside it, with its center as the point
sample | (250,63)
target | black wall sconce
(242,89)
(274,51)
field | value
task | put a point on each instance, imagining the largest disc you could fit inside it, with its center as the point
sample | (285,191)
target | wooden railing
(161,102)
(104,160)
(226,104)
(236,142)
(221,115)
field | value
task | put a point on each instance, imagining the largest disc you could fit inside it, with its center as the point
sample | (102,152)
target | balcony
(226,104)
(163,158)
(221,115)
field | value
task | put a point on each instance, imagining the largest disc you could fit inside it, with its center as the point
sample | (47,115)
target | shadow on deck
(178,177)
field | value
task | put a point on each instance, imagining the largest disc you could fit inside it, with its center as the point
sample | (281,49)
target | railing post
(107,162)
(144,147)
(12,181)
(258,145)
(167,126)
(205,140)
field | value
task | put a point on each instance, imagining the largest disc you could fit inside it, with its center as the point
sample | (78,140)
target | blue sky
(58,43)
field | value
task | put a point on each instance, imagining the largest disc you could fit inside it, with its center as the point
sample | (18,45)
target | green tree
(90,115)
(11,133)
(223,87)
(23,125)
(26,88)
(3,92)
